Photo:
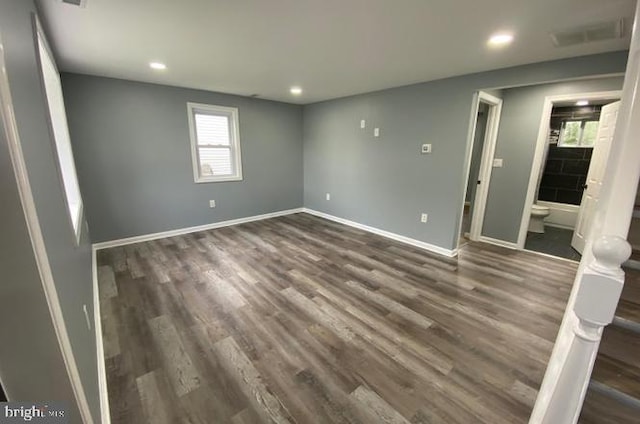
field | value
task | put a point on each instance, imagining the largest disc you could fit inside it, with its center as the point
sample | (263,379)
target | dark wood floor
(299,319)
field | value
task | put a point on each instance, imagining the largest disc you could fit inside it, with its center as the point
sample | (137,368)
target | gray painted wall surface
(131,142)
(385,182)
(517,137)
(30,364)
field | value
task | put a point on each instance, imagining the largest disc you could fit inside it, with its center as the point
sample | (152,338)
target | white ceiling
(331,48)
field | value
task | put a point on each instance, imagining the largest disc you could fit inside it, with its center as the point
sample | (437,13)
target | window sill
(219,179)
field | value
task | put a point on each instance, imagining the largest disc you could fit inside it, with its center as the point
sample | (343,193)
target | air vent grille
(589,33)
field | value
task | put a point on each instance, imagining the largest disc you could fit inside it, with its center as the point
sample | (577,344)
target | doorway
(482,139)
(571,155)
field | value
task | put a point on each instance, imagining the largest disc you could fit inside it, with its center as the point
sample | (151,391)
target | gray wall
(131,144)
(385,182)
(30,360)
(517,136)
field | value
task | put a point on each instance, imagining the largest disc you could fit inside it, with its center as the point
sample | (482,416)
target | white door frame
(488,151)
(37,241)
(543,136)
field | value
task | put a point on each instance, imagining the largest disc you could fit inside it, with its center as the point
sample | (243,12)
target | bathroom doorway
(573,147)
(482,139)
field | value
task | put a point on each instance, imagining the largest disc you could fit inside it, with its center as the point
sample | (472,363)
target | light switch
(497,163)
(426,148)
(363,124)
(376,132)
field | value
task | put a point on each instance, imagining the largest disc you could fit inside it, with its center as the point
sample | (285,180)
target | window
(60,130)
(215,143)
(578,134)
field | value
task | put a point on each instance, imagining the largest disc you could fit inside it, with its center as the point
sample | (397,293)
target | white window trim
(234,142)
(75,217)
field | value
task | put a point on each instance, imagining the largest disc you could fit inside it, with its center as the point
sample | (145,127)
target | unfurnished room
(304,211)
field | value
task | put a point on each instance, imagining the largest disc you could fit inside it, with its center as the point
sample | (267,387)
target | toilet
(538,214)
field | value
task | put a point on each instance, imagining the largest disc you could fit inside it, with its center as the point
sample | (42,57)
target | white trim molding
(498,242)
(187,230)
(486,160)
(97,317)
(397,237)
(37,242)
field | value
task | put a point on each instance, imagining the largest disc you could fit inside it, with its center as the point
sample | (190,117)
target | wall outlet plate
(424,217)
(328,196)
(363,124)
(212,203)
(376,132)
(497,163)
(425,149)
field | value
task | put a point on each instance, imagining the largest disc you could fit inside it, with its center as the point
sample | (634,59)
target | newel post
(596,301)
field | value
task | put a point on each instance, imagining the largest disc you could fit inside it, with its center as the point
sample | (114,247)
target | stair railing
(599,280)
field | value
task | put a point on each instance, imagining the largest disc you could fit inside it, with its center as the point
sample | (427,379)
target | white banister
(595,304)
(599,280)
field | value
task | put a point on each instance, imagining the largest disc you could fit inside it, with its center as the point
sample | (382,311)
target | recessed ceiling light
(157,65)
(296,91)
(500,39)
(582,102)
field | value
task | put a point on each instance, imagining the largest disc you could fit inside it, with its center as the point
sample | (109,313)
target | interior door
(591,194)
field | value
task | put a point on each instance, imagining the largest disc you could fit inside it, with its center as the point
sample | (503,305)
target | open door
(591,194)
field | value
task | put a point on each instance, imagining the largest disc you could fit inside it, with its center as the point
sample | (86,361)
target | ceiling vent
(80,3)
(596,32)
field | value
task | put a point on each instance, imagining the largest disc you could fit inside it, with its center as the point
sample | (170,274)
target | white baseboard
(507,244)
(181,231)
(105,414)
(413,242)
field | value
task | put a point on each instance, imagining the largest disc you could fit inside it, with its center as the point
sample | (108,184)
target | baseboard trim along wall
(181,231)
(397,237)
(507,244)
(105,414)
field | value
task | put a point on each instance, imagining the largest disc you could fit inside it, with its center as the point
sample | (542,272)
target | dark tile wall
(565,171)
(564,174)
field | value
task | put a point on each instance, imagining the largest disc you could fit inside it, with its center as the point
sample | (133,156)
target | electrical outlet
(212,203)
(363,124)
(376,132)
(328,196)
(86,315)
(426,149)
(424,217)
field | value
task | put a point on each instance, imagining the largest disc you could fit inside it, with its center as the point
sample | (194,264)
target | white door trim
(488,151)
(543,134)
(37,240)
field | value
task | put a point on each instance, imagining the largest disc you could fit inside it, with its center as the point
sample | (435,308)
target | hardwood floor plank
(182,374)
(250,381)
(155,409)
(380,410)
(108,288)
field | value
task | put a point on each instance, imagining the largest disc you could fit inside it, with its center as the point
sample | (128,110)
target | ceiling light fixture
(500,39)
(158,66)
(582,102)
(296,91)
